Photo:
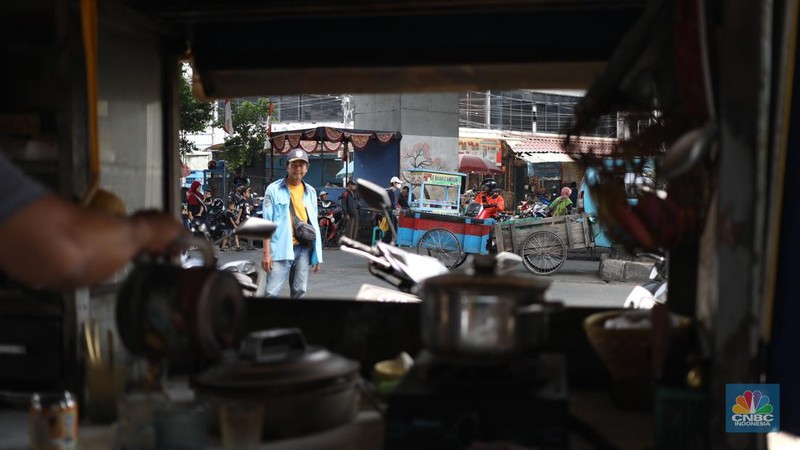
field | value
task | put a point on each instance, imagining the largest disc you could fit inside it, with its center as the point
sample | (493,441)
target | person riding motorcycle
(490,196)
(324,201)
(330,219)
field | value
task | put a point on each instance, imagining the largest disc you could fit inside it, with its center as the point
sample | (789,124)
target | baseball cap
(395,180)
(297,154)
(321,193)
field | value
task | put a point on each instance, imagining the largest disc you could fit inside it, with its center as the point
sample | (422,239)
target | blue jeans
(296,270)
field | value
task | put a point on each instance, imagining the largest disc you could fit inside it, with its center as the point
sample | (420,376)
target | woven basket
(626,352)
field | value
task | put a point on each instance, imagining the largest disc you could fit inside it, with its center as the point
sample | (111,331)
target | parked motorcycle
(248,273)
(212,226)
(653,292)
(330,224)
(256,209)
(529,209)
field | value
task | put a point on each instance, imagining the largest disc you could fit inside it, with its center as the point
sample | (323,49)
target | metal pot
(484,315)
(164,310)
(304,388)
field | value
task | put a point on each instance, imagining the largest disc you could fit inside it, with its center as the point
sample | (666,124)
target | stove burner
(451,403)
(460,373)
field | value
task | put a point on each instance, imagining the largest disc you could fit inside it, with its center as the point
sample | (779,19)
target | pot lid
(277,359)
(489,274)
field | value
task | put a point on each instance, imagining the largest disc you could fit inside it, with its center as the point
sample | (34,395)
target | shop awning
(477,164)
(544,157)
(545,149)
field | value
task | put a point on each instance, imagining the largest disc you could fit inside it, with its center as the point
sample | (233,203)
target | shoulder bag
(303,231)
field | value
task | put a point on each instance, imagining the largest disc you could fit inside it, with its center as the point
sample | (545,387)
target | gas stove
(458,404)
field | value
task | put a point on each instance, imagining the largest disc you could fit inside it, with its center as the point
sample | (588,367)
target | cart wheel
(441,244)
(461,260)
(543,252)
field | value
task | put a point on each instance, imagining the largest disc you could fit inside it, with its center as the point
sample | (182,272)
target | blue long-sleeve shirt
(276,209)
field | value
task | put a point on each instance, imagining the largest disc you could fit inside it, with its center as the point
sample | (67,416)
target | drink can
(54,421)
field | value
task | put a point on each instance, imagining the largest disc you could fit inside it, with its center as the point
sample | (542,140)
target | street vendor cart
(543,242)
(433,223)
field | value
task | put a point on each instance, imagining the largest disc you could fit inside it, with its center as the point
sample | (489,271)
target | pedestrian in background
(394,199)
(394,192)
(403,200)
(287,202)
(350,210)
(194,198)
(231,222)
(247,209)
(185,209)
(208,198)
(562,205)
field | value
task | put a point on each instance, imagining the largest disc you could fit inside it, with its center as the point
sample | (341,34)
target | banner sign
(488,148)
(440,179)
(547,170)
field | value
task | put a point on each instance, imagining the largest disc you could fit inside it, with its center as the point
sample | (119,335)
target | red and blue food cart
(433,223)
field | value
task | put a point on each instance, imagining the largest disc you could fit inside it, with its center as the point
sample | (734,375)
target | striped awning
(329,138)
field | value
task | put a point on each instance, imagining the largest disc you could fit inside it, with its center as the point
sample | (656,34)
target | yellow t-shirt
(296,193)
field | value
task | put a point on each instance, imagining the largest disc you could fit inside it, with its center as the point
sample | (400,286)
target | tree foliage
(196,116)
(246,143)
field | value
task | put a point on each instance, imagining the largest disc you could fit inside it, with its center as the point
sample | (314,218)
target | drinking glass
(241,424)
(182,426)
(135,411)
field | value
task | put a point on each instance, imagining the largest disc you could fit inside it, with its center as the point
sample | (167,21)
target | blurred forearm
(57,244)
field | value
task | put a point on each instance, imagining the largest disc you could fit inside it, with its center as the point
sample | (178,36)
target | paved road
(342,274)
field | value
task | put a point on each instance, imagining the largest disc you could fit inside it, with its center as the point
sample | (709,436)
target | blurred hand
(266,262)
(159,231)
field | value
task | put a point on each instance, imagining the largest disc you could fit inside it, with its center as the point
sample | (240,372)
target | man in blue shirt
(284,256)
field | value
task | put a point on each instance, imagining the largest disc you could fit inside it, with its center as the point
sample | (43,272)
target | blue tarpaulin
(349,173)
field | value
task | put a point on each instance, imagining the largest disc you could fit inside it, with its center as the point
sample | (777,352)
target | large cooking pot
(164,310)
(304,388)
(481,314)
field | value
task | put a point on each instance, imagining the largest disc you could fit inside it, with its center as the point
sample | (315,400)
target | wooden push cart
(543,243)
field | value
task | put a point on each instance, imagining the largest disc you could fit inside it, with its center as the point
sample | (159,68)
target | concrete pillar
(428,122)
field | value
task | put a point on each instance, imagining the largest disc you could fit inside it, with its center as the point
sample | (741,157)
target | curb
(625,271)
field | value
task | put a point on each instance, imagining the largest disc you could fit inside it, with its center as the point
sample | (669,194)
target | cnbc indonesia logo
(752,409)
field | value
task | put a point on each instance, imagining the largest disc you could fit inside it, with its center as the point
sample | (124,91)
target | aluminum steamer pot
(304,388)
(484,314)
